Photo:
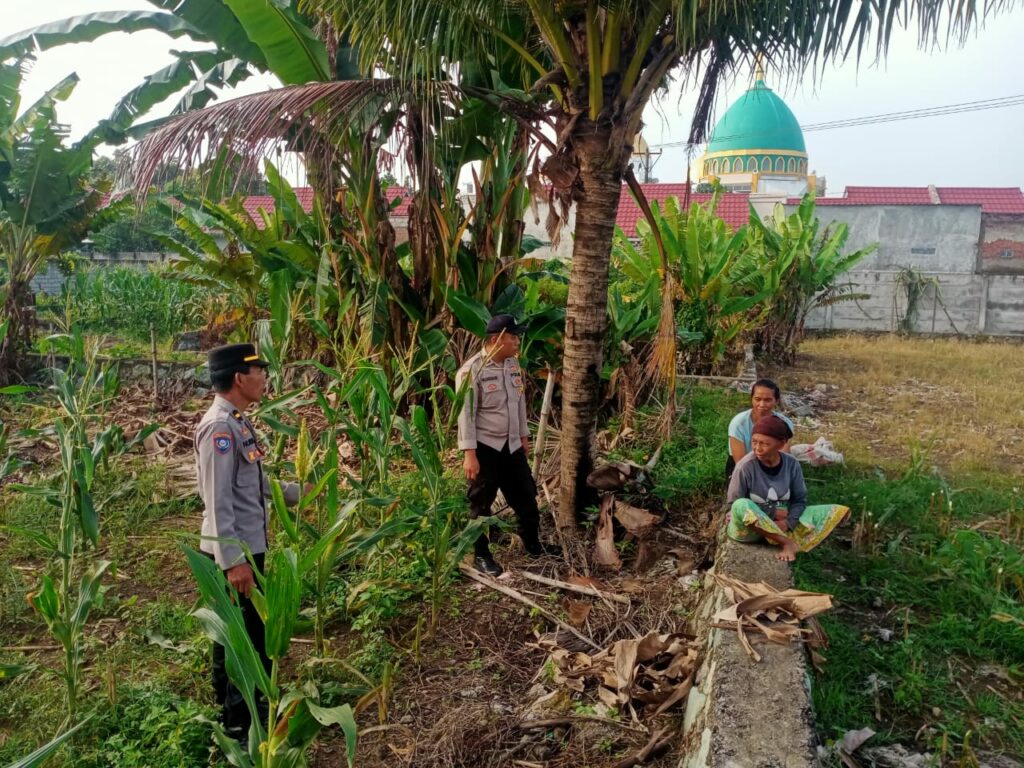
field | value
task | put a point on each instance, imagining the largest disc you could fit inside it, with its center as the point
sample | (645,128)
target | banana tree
(806,267)
(45,204)
(244,38)
(711,268)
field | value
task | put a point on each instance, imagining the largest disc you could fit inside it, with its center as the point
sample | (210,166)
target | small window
(791,165)
(766,164)
(1007,253)
(924,250)
(726,165)
(779,165)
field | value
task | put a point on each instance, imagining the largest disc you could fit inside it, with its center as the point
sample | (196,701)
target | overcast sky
(971,149)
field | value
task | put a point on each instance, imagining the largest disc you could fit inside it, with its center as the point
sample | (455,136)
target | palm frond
(308,118)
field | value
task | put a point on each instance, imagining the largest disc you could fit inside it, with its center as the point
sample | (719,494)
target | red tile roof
(889,195)
(733,207)
(253,203)
(991,199)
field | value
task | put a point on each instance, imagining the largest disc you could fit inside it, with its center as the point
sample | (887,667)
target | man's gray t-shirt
(784,489)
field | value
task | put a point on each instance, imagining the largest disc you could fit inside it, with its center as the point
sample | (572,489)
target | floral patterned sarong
(816,523)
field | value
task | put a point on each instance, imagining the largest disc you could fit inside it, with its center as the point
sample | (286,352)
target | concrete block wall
(49,280)
(1004,312)
(968,303)
(741,713)
(924,237)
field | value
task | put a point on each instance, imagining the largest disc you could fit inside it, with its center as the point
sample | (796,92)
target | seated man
(768,496)
(764,399)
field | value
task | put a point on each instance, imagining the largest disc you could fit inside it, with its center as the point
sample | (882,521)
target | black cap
(232,358)
(506,323)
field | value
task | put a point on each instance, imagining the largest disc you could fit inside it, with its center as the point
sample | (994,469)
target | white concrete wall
(964,303)
(925,237)
(1004,313)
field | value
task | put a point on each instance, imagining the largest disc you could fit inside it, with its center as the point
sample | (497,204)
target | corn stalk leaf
(38,757)
(224,624)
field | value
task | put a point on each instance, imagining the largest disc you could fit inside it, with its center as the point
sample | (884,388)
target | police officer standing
(233,487)
(495,437)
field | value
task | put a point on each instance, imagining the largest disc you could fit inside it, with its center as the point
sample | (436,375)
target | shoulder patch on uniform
(221,442)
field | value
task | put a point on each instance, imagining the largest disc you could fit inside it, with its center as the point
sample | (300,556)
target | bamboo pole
(580,588)
(156,380)
(542,426)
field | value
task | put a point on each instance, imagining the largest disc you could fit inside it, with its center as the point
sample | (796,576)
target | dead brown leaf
(587,581)
(605,552)
(637,521)
(632,586)
(648,553)
(775,614)
(577,610)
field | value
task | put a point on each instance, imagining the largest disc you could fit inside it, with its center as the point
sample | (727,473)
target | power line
(1002,102)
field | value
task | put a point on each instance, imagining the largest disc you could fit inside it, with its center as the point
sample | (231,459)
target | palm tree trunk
(597,203)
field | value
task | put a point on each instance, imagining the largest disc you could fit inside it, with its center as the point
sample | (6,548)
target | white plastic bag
(819,454)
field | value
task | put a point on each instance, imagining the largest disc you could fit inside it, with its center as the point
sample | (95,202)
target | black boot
(488,565)
(537,548)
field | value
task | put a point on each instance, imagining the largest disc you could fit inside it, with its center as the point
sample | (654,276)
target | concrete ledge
(744,714)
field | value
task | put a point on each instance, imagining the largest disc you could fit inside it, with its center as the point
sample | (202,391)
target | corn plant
(329,518)
(294,715)
(9,463)
(438,511)
(66,602)
(41,755)
(369,421)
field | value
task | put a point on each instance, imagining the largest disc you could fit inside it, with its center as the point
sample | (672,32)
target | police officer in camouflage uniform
(495,437)
(233,487)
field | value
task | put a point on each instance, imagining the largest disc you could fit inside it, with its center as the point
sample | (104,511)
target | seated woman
(764,399)
(768,496)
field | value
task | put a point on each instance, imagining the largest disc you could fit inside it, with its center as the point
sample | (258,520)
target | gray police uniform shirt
(494,409)
(229,466)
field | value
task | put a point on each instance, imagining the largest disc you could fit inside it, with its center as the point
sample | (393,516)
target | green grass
(692,462)
(929,629)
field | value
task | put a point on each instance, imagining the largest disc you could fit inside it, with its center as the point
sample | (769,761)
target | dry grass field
(957,404)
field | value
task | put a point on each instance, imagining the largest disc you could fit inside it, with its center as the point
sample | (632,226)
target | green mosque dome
(757,146)
(758,120)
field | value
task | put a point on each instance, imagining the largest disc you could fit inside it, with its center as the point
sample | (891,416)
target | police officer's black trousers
(234,713)
(510,473)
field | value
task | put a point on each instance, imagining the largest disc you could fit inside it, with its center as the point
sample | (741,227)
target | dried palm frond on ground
(648,675)
(777,615)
